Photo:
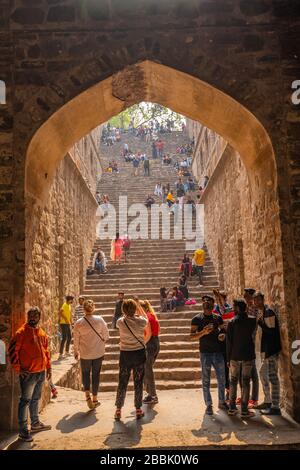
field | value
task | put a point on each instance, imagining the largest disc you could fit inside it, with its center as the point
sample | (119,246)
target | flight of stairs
(152,264)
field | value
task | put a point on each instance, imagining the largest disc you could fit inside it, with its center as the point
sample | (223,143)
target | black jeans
(131,361)
(152,353)
(89,366)
(66,337)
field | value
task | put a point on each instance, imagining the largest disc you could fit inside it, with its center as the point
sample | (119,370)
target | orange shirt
(28,350)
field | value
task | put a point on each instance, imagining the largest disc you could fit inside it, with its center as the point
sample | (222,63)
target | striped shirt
(79,312)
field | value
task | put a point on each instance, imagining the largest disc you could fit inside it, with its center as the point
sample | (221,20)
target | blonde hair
(129,307)
(148,307)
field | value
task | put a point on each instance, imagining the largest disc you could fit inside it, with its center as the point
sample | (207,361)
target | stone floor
(178,421)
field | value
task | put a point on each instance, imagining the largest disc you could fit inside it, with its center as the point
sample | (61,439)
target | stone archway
(149,81)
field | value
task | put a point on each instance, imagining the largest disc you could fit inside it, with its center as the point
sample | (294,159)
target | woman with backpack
(90,335)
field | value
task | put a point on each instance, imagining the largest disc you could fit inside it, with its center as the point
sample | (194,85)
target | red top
(153,323)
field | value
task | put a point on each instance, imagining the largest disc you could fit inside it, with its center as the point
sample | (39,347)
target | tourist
(180,192)
(240,349)
(152,346)
(116,249)
(118,310)
(171,300)
(126,246)
(90,336)
(186,265)
(223,308)
(154,150)
(125,149)
(170,198)
(198,264)
(207,327)
(252,312)
(163,299)
(146,166)
(65,322)
(132,356)
(183,287)
(158,190)
(149,201)
(270,350)
(135,163)
(178,296)
(100,262)
(30,358)
(79,310)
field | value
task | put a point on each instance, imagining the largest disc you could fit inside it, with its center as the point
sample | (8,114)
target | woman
(182,286)
(170,199)
(152,346)
(163,299)
(186,265)
(171,300)
(132,355)
(100,263)
(116,249)
(178,296)
(90,336)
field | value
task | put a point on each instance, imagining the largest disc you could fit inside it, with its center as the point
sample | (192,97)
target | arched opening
(182,93)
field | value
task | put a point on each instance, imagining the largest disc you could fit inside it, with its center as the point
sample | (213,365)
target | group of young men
(235,349)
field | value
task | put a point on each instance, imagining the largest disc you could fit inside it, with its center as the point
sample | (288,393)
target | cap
(208,297)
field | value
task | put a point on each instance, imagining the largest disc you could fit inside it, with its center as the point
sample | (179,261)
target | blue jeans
(217,361)
(31,391)
(99,267)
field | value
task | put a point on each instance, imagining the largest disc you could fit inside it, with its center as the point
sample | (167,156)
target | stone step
(164,346)
(160,363)
(179,373)
(164,354)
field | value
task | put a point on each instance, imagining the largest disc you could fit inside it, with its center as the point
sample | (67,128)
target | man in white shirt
(90,335)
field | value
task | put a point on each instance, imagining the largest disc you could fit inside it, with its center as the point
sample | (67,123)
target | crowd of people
(233,340)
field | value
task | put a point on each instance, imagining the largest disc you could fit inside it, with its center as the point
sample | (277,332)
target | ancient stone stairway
(152,264)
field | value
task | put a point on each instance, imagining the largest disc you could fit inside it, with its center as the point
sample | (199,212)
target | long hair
(148,308)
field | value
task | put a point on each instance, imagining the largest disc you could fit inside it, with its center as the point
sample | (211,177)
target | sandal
(118,414)
(139,413)
(96,403)
(90,403)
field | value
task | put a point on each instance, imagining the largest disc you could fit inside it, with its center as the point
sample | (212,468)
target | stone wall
(66,234)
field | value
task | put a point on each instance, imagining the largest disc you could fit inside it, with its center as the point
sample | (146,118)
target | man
(146,166)
(252,312)
(198,263)
(240,350)
(90,336)
(208,329)
(270,349)
(118,310)
(180,192)
(79,310)
(65,322)
(135,163)
(30,358)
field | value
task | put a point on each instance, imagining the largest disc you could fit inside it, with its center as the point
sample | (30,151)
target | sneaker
(252,404)
(271,411)
(90,403)
(96,403)
(263,406)
(149,400)
(25,436)
(39,426)
(232,411)
(247,414)
(209,410)
(223,406)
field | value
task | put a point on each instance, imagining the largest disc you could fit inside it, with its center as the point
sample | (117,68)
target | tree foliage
(143,113)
